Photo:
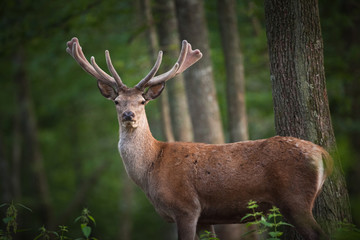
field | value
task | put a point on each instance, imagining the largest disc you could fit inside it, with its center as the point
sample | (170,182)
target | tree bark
(31,139)
(235,85)
(199,79)
(153,51)
(5,180)
(235,92)
(255,22)
(164,11)
(82,193)
(300,98)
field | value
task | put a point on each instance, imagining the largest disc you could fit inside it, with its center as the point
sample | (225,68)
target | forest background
(53,118)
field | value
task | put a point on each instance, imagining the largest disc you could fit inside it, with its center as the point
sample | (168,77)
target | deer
(198,185)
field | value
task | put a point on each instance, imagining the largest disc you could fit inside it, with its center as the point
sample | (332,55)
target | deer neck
(138,149)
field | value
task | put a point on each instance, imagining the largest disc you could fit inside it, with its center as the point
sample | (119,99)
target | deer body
(197,185)
(218,180)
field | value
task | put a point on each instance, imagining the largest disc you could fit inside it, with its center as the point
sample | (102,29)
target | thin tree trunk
(199,79)
(126,206)
(153,51)
(5,181)
(254,19)
(17,150)
(169,42)
(82,193)
(235,93)
(31,139)
(235,85)
(299,93)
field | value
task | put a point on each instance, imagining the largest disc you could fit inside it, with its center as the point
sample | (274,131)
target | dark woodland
(272,67)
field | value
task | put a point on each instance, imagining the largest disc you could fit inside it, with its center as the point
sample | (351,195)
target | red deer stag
(198,185)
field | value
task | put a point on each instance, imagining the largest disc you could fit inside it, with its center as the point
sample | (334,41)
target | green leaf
(23,206)
(3,205)
(37,237)
(266,224)
(258,214)
(92,219)
(246,216)
(251,223)
(275,234)
(77,219)
(274,209)
(86,231)
(274,215)
(285,224)
(6,220)
(253,206)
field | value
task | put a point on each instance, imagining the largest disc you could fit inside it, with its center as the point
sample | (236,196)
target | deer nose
(128,116)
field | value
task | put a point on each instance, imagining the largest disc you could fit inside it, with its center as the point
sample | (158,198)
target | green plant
(206,235)
(346,231)
(63,230)
(252,205)
(46,234)
(85,219)
(272,223)
(10,220)
(269,223)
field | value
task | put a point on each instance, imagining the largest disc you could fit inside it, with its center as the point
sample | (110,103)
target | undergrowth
(266,226)
(85,220)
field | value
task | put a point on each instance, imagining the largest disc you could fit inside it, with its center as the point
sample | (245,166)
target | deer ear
(106,90)
(154,91)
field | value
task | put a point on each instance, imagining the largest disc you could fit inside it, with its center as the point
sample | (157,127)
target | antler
(186,58)
(75,50)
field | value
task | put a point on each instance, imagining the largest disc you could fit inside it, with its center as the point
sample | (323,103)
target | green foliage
(85,219)
(269,223)
(347,231)
(10,219)
(11,222)
(46,234)
(206,235)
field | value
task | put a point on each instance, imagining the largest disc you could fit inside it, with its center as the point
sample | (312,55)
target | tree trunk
(299,95)
(153,51)
(342,63)
(235,85)
(166,22)
(82,193)
(255,22)
(31,139)
(5,181)
(235,92)
(199,79)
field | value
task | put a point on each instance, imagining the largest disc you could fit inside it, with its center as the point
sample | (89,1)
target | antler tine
(75,50)
(113,71)
(186,58)
(104,75)
(142,84)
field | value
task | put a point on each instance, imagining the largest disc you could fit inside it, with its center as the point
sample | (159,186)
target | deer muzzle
(128,116)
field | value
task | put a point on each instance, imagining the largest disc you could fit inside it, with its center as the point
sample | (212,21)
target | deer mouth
(129,123)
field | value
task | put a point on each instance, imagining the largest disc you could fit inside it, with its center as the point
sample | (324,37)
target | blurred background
(58,135)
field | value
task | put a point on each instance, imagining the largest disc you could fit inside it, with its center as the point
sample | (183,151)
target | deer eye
(143,102)
(116,102)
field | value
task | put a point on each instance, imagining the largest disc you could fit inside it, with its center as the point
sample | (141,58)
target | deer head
(130,102)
